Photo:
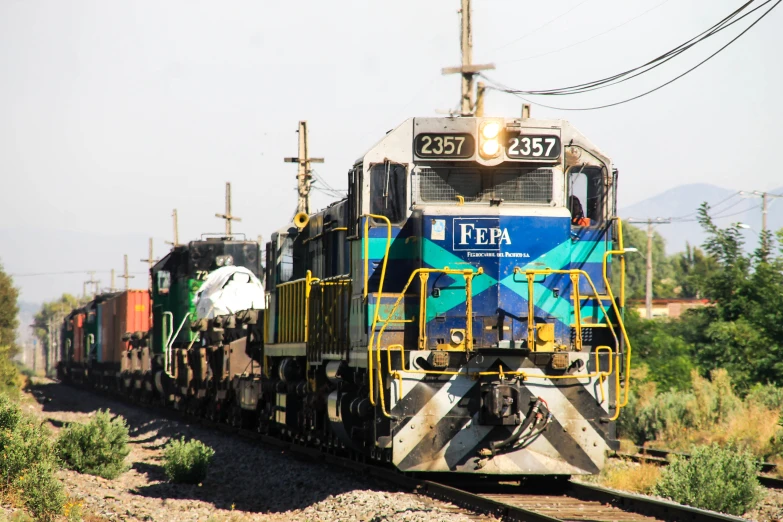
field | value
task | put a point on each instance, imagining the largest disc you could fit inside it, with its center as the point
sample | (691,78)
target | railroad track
(662,457)
(532,499)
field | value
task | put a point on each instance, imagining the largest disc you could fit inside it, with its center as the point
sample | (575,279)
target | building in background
(669,308)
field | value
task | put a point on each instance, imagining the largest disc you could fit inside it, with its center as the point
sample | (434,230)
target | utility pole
(113,286)
(91,281)
(151,261)
(764,203)
(50,348)
(176,230)
(648,287)
(481,90)
(126,275)
(303,174)
(227,216)
(468,69)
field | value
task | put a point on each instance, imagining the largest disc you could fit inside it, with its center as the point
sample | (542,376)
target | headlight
(491,130)
(219,260)
(490,148)
(490,134)
(457,336)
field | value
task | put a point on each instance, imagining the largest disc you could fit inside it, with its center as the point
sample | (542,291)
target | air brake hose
(517,434)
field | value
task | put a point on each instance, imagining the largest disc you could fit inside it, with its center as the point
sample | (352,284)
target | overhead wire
(580,42)
(651,64)
(743,211)
(585,87)
(546,24)
(70,272)
(713,206)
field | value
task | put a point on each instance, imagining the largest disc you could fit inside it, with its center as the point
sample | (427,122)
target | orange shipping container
(126,312)
(78,337)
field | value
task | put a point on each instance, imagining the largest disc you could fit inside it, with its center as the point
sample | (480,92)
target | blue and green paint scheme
(500,297)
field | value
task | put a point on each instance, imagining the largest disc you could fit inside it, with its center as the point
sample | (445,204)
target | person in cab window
(578,218)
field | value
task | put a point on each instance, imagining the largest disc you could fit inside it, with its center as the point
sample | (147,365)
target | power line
(722,216)
(653,8)
(517,93)
(651,64)
(541,26)
(713,207)
(719,203)
(67,272)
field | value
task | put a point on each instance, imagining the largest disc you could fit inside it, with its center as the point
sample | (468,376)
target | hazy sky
(113,113)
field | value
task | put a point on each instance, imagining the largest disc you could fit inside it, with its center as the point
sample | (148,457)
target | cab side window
(586,195)
(388,190)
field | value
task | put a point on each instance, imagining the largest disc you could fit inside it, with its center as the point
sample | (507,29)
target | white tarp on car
(228,290)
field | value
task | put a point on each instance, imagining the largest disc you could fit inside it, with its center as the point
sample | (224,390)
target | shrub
(29,464)
(720,479)
(96,448)
(187,462)
(650,417)
(766,395)
(41,492)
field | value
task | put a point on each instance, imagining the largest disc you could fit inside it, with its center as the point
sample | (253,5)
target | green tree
(8,312)
(52,313)
(743,329)
(691,268)
(8,325)
(636,265)
(660,346)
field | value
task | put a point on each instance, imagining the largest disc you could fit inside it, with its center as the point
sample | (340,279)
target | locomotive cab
(180,364)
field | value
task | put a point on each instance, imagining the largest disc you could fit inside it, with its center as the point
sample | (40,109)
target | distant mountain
(682,203)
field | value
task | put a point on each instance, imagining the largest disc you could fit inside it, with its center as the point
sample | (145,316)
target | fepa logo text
(479,234)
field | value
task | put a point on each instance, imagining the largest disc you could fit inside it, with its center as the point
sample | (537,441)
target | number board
(445,145)
(535,147)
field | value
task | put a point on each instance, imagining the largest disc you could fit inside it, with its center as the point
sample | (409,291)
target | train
(460,311)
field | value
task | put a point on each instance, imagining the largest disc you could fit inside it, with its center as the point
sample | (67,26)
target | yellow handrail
(622,328)
(376,339)
(294,300)
(548,271)
(577,312)
(380,291)
(468,274)
(367,249)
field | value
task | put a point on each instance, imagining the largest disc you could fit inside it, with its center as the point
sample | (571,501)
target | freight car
(459,311)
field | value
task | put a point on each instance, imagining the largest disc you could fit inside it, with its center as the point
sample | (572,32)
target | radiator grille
(444,184)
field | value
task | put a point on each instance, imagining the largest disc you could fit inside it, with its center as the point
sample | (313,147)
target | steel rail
(498,505)
(660,457)
(661,509)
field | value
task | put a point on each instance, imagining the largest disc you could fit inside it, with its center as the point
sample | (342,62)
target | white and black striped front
(439,430)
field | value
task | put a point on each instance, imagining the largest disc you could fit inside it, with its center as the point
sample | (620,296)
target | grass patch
(98,447)
(628,476)
(187,462)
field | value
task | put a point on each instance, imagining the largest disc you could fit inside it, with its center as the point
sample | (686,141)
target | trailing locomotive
(132,341)
(456,312)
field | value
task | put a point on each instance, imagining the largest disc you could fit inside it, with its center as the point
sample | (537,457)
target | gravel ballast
(246,482)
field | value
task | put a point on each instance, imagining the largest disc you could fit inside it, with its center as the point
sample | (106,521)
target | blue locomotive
(456,312)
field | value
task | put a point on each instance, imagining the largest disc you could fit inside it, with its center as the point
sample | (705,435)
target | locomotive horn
(301,219)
